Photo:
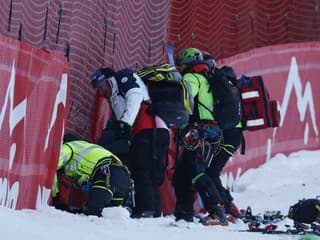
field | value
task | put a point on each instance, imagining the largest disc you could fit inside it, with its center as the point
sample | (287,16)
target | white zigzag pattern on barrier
(16,114)
(304,100)
(9,196)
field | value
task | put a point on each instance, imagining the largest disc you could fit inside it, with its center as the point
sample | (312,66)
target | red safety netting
(226,28)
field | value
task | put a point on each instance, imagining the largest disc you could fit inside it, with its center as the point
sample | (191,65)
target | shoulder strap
(205,107)
(198,94)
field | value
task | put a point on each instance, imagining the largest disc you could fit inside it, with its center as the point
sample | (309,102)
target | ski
(269,222)
(170,53)
(271,230)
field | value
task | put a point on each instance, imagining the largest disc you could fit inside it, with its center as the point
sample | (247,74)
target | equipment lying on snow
(270,222)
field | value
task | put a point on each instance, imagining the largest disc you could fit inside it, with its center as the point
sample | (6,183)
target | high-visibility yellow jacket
(78,160)
(201,91)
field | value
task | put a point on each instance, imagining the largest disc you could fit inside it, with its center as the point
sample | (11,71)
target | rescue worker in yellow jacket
(98,172)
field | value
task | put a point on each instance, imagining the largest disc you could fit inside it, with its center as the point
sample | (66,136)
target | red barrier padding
(34,95)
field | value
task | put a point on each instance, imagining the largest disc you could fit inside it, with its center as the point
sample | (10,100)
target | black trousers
(146,162)
(208,185)
(232,139)
(105,179)
(191,167)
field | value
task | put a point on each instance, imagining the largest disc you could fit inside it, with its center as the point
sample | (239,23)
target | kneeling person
(99,174)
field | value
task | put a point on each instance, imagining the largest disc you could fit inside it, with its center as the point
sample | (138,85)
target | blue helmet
(101,75)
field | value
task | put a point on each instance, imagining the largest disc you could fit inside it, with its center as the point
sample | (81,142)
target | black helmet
(209,59)
(69,137)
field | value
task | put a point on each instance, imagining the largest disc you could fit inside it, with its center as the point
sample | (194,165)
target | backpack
(259,112)
(227,102)
(305,211)
(171,97)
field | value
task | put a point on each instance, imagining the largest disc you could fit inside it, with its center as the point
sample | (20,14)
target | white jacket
(128,94)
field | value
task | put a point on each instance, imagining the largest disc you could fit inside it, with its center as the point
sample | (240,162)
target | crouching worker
(89,178)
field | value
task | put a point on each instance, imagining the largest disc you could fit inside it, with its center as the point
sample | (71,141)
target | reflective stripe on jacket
(78,160)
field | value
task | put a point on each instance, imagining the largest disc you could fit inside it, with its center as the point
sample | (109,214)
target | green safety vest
(201,88)
(78,160)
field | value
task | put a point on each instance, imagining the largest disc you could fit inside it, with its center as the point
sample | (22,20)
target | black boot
(184,213)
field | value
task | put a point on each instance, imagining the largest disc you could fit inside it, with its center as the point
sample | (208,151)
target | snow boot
(184,212)
(187,216)
(217,217)
(144,214)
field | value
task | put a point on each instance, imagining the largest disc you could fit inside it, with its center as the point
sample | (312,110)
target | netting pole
(268,21)
(314,20)
(67,55)
(114,45)
(106,24)
(178,41)
(10,16)
(59,22)
(149,50)
(46,24)
(222,54)
(286,16)
(192,38)
(163,45)
(20,33)
(251,20)
(114,41)
(237,20)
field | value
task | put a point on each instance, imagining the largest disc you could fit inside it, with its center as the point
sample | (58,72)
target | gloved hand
(85,187)
(212,134)
(124,130)
(212,137)
(116,137)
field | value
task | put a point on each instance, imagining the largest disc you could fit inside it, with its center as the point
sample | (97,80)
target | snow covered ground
(276,185)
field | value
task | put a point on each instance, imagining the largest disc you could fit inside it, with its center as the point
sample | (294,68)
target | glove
(116,137)
(124,130)
(85,188)
(212,134)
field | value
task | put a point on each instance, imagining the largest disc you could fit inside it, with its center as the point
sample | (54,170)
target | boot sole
(215,224)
